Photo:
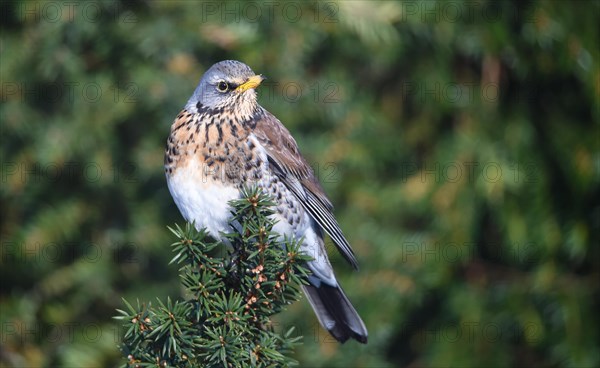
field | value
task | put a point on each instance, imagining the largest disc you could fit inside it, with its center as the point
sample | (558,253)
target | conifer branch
(225,319)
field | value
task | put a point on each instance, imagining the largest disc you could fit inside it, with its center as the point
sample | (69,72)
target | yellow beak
(252,82)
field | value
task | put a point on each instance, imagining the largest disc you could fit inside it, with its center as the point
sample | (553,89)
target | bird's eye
(222,86)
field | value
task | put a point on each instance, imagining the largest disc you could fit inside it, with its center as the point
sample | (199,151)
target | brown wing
(293,170)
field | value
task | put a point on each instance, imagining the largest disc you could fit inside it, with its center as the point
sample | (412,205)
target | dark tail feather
(335,312)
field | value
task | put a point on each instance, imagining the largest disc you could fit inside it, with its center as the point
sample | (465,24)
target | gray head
(227,84)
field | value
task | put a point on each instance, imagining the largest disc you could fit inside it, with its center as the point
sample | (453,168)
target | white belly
(202,200)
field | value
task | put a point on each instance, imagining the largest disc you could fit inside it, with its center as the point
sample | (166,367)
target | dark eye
(222,86)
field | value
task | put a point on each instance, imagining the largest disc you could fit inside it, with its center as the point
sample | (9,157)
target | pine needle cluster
(225,318)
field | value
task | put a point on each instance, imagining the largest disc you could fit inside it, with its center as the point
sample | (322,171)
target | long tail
(335,312)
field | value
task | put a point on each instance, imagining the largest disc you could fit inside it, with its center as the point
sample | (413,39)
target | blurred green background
(459,141)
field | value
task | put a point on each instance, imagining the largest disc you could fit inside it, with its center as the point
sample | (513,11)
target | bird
(222,141)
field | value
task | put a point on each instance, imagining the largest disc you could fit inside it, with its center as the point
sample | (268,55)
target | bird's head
(228,85)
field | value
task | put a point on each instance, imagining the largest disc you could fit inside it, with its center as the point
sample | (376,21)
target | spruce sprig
(230,297)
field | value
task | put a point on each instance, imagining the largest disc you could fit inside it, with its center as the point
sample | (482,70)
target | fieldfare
(223,140)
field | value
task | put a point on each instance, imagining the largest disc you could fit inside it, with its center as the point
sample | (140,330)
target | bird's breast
(207,161)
